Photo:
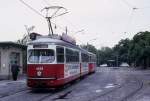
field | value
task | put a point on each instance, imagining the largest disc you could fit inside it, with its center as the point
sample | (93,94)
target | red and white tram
(53,62)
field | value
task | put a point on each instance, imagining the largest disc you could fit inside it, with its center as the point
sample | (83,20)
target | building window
(60,54)
(15,58)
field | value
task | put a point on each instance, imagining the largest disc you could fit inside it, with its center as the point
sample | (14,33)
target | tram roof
(46,40)
(91,53)
(53,41)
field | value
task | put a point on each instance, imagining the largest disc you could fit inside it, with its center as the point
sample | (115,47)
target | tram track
(106,93)
(64,93)
(140,86)
(44,97)
(14,93)
(134,92)
(28,92)
(46,93)
(54,96)
(60,93)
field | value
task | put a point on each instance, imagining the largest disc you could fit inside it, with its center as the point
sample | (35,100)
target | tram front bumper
(45,83)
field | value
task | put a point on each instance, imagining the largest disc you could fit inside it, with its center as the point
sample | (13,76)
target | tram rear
(92,63)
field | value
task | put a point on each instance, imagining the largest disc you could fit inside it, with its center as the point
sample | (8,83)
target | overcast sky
(106,20)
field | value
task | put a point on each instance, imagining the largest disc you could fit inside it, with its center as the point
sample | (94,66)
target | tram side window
(85,57)
(60,54)
(72,56)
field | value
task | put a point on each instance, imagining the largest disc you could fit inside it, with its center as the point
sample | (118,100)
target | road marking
(109,86)
(98,91)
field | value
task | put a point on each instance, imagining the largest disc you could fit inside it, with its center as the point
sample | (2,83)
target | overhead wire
(133,8)
(69,22)
(32,8)
(56,16)
(129,21)
(127,3)
(71,31)
(48,4)
(37,12)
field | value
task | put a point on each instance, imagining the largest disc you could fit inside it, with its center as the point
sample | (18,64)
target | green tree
(121,50)
(90,48)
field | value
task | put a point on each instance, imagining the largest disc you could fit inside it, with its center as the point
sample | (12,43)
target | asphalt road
(107,84)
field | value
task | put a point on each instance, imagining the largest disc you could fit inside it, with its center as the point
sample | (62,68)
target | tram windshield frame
(41,56)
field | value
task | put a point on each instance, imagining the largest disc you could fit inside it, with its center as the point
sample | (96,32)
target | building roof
(12,44)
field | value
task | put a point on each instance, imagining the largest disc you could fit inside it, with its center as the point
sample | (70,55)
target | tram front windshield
(41,56)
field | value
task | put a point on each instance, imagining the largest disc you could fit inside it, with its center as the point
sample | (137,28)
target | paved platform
(21,79)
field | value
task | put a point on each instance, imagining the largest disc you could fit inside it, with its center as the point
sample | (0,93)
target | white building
(11,53)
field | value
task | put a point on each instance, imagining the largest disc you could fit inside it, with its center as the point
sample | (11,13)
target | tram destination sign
(40,46)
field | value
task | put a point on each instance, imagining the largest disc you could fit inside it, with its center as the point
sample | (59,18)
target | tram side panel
(71,72)
(92,63)
(72,65)
(84,69)
(84,64)
(92,67)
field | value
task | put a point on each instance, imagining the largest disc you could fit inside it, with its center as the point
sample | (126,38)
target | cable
(47,2)
(31,8)
(69,22)
(134,8)
(34,10)
(128,4)
(129,21)
(144,7)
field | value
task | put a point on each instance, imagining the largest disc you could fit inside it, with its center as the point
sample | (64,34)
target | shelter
(11,53)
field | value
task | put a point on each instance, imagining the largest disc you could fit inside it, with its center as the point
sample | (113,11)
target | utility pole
(87,46)
(117,60)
